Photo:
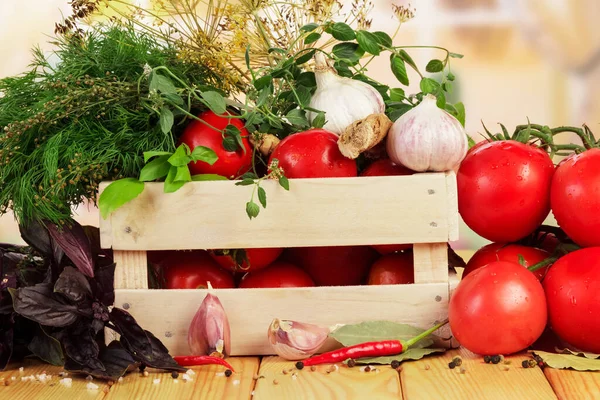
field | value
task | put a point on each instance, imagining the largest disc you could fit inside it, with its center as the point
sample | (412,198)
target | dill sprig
(89,116)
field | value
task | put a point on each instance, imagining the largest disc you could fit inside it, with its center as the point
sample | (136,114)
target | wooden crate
(420,209)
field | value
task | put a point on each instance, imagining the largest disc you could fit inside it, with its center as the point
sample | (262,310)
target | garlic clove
(294,340)
(209,332)
(344,100)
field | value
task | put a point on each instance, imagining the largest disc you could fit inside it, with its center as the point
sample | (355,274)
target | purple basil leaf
(93,234)
(46,348)
(76,245)
(115,361)
(80,346)
(6,341)
(73,285)
(97,325)
(161,358)
(103,284)
(133,337)
(39,304)
(36,235)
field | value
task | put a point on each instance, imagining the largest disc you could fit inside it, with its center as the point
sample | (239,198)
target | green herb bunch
(87,117)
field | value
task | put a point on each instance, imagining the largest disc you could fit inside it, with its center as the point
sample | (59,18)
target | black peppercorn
(496,359)
(299,365)
(228,373)
(175,374)
(351,363)
(451,365)
(525,363)
(487,359)
(395,364)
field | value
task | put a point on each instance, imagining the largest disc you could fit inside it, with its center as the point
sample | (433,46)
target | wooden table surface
(274,378)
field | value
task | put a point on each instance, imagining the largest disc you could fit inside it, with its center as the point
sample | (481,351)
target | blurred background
(536,59)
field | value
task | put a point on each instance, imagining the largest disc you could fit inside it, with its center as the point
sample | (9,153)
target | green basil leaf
(309,27)
(348,51)
(305,57)
(229,143)
(162,84)
(155,169)
(149,154)
(456,55)
(383,38)
(263,82)
(170,184)
(117,194)
(208,177)
(183,174)
(174,98)
(441,100)
(304,96)
(232,130)
(368,42)
(249,175)
(311,38)
(434,66)
(397,94)
(252,209)
(284,182)
(408,59)
(343,69)
(245,182)
(180,157)
(202,153)
(262,197)
(429,85)
(307,79)
(297,117)
(399,69)
(460,109)
(397,112)
(214,101)
(450,76)
(447,87)
(342,31)
(166,120)
(263,96)
(319,121)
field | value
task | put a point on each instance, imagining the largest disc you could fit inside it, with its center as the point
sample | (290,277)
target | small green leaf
(304,96)
(434,66)
(170,184)
(183,174)
(202,153)
(297,117)
(348,51)
(263,82)
(369,42)
(252,209)
(319,120)
(447,87)
(343,69)
(429,85)
(471,141)
(245,182)
(410,354)
(155,169)
(232,130)
(397,94)
(305,57)
(263,96)
(311,38)
(284,182)
(408,59)
(117,194)
(162,84)
(180,157)
(460,109)
(307,79)
(342,31)
(215,102)
(399,69)
(399,111)
(455,55)
(208,177)
(166,120)
(309,27)
(229,143)
(383,38)
(249,175)
(149,154)
(450,76)
(174,98)
(262,197)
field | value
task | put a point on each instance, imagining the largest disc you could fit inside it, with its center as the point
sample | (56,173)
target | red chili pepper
(186,361)
(368,349)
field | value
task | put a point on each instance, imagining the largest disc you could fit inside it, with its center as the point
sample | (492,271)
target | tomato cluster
(506,189)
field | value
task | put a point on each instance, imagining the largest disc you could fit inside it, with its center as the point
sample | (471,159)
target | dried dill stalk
(67,125)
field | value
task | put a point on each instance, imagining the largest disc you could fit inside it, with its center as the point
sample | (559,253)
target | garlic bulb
(427,138)
(343,100)
(209,332)
(293,340)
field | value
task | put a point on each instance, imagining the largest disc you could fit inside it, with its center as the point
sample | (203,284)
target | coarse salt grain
(190,372)
(42,378)
(175,380)
(24,378)
(186,377)
(220,374)
(120,379)
(156,381)
(236,382)
(252,394)
(68,382)
(294,377)
(21,369)
(14,378)
(91,386)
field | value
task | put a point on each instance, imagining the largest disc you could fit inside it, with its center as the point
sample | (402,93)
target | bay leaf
(566,361)
(369,331)
(410,354)
(579,353)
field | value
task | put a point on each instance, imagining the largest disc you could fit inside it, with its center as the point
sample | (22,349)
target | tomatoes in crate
(392,269)
(192,270)
(235,260)
(280,274)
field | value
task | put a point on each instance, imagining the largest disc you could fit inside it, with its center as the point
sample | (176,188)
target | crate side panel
(315,212)
(168,313)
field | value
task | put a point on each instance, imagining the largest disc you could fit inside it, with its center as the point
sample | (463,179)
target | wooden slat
(51,390)
(430,378)
(574,385)
(452,206)
(314,212)
(131,271)
(168,313)
(344,383)
(430,262)
(205,384)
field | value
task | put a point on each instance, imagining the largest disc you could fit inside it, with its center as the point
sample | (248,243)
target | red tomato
(386,167)
(575,197)
(313,154)
(192,270)
(498,309)
(335,266)
(507,252)
(504,190)
(392,269)
(258,258)
(230,163)
(572,286)
(278,274)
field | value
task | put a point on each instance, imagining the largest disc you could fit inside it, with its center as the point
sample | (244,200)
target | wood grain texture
(431,262)
(452,206)
(430,378)
(344,383)
(131,271)
(316,212)
(168,313)
(206,384)
(574,385)
(51,390)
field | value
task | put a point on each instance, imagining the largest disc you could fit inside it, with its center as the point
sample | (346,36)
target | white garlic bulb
(343,100)
(427,138)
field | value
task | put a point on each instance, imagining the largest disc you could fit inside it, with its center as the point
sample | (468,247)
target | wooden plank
(574,385)
(205,384)
(315,212)
(343,383)
(430,378)
(452,206)
(168,313)
(51,389)
(431,262)
(131,271)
